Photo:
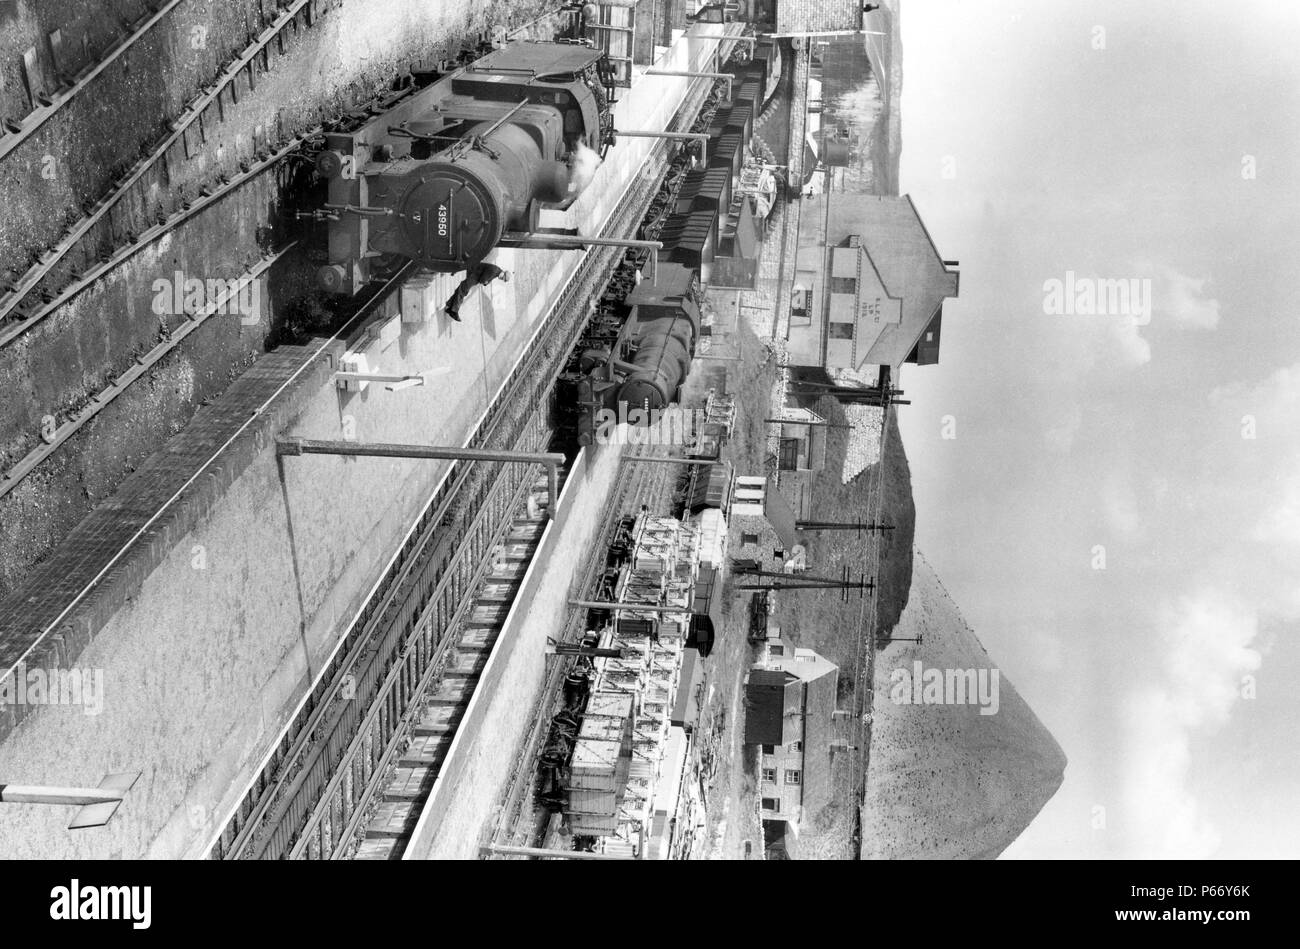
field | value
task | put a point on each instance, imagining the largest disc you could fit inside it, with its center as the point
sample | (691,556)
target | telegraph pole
(788,581)
(872,395)
(841,526)
(886,640)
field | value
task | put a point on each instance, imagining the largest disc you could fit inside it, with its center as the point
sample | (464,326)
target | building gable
(910,267)
(870,306)
(868,282)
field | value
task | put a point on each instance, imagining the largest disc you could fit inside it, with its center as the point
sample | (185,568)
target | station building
(869,285)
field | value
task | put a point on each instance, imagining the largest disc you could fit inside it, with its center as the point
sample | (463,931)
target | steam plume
(582,168)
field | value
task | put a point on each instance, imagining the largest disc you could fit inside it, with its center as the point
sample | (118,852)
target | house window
(778,553)
(799,300)
(929,337)
(746,539)
(769,775)
(776,649)
(840,331)
(796,746)
(792,776)
(771,803)
(789,456)
(769,749)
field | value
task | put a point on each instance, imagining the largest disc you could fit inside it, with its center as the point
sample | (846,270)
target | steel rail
(396,740)
(50,258)
(564,305)
(193,113)
(15,328)
(162,508)
(348,654)
(433,668)
(120,383)
(32,122)
(366,626)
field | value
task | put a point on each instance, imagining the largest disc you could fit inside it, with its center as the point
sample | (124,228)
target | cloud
(1161,816)
(1280,522)
(1260,485)
(1275,399)
(1182,299)
(1178,301)
(1277,530)
(1208,649)
(1134,350)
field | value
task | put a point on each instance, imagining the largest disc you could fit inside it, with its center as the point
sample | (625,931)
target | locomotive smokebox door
(450,218)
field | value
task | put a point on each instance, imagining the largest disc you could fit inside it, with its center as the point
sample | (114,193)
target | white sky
(1076,431)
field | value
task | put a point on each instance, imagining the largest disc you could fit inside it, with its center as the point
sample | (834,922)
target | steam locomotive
(636,352)
(443,175)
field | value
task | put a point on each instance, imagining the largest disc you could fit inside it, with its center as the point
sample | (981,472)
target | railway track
(125,218)
(387,814)
(24,318)
(55,436)
(48,103)
(120,214)
(316,786)
(17,316)
(319,351)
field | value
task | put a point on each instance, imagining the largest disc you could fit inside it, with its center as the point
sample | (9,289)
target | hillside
(825,621)
(944,781)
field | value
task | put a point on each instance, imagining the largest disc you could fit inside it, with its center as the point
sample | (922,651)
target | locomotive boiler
(638,369)
(448,173)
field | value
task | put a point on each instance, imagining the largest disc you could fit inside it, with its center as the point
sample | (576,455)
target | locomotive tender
(446,173)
